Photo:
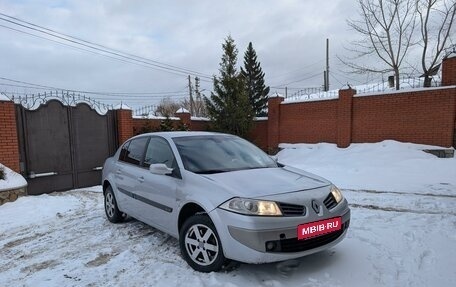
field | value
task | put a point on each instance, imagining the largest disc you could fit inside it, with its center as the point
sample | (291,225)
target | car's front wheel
(112,211)
(200,244)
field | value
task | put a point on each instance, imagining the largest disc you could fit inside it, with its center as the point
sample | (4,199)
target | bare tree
(436,26)
(386,27)
(167,107)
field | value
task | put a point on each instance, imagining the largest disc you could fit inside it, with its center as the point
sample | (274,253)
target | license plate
(318,228)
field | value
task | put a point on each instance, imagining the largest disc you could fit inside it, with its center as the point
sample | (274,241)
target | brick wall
(422,116)
(259,134)
(425,117)
(449,71)
(274,121)
(309,122)
(124,125)
(200,125)
(140,125)
(344,117)
(9,145)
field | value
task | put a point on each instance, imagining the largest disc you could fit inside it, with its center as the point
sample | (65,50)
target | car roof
(175,134)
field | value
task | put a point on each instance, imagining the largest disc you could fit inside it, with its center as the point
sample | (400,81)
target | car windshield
(220,153)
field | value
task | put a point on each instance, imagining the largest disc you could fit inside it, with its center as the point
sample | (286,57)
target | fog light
(271,245)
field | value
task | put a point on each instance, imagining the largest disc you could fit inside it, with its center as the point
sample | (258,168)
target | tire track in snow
(433,204)
(401,193)
(376,207)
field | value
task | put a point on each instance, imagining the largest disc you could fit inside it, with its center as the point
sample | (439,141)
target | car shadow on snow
(308,265)
(304,266)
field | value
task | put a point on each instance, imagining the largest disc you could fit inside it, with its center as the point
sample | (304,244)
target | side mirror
(160,168)
(274,157)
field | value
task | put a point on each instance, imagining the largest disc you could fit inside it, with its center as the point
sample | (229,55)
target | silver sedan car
(223,198)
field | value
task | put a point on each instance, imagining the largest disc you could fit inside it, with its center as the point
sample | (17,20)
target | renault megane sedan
(223,198)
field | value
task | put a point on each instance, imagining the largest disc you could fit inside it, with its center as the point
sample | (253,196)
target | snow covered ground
(402,232)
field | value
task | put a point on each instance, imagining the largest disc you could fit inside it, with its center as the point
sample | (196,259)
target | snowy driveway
(402,231)
(63,239)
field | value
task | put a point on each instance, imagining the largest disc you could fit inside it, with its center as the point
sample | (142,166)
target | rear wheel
(112,211)
(200,244)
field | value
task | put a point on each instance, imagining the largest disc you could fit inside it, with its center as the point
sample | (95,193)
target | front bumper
(254,239)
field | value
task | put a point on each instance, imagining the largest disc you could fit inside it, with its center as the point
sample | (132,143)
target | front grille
(292,209)
(295,245)
(330,201)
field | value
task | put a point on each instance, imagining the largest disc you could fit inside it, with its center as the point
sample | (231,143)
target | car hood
(254,183)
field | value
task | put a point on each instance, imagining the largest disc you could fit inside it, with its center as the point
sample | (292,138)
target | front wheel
(200,244)
(112,211)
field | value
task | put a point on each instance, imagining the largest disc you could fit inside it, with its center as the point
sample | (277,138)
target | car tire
(200,244)
(110,204)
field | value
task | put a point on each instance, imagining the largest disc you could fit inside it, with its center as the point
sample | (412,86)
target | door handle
(97,168)
(35,175)
(141,179)
(119,171)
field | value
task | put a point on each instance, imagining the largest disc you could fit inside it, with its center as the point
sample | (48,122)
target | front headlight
(252,207)
(337,194)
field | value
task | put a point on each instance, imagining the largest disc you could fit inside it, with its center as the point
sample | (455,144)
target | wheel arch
(188,210)
(106,184)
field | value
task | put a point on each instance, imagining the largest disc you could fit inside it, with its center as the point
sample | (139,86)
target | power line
(300,80)
(334,77)
(86,50)
(297,70)
(97,47)
(111,94)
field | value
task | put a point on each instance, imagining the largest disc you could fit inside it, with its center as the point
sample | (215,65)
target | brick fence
(426,116)
(127,126)
(9,145)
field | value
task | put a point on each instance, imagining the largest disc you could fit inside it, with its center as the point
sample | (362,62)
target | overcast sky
(288,35)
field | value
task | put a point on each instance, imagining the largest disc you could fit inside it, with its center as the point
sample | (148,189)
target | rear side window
(133,151)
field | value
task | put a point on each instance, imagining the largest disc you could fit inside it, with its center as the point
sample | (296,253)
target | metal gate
(64,146)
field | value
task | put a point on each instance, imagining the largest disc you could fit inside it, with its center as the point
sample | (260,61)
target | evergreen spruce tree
(254,81)
(181,126)
(166,125)
(229,106)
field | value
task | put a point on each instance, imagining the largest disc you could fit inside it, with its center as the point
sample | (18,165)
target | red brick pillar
(124,125)
(9,144)
(344,117)
(185,117)
(449,70)
(274,122)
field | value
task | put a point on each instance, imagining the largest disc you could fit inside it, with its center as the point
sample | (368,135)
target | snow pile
(29,210)
(122,106)
(386,166)
(151,116)
(3,97)
(182,111)
(12,179)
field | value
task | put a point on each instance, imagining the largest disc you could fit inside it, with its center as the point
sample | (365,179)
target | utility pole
(190,93)
(327,65)
(325,86)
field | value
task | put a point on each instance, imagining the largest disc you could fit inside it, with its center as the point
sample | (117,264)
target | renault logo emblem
(315,206)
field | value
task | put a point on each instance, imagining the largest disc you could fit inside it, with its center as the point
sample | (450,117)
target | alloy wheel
(201,244)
